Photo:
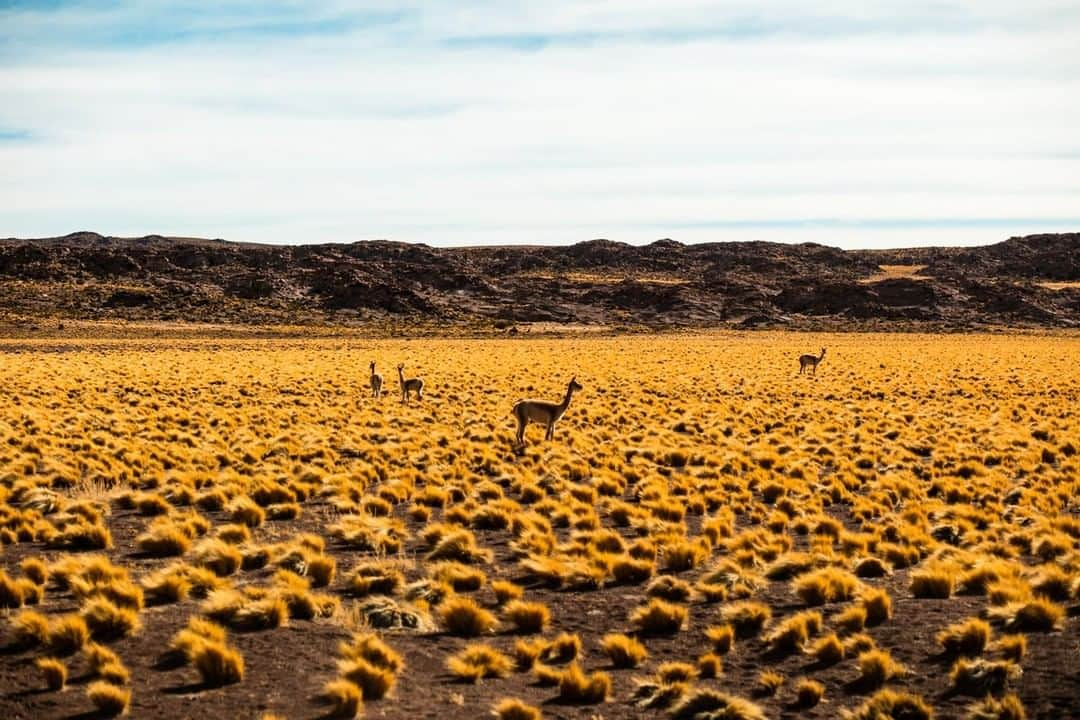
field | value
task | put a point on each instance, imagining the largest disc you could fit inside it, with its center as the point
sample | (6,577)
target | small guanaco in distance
(543,412)
(376,382)
(409,385)
(810,361)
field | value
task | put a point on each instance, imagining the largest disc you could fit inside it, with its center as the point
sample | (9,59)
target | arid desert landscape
(220,527)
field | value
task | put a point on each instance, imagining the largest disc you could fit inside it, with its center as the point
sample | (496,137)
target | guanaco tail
(543,412)
(810,361)
(409,385)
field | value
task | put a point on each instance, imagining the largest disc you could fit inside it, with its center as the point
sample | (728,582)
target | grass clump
(828,650)
(218,556)
(932,583)
(580,689)
(768,682)
(29,629)
(826,585)
(67,634)
(709,665)
(563,648)
(106,621)
(369,646)
(164,538)
(669,588)
(505,591)
(527,617)
(878,605)
(527,653)
(659,618)
(514,709)
(708,704)
(747,617)
(53,671)
(623,650)
(1012,647)
(461,616)
(891,705)
(1038,615)
(374,579)
(479,661)
(876,667)
(793,633)
(1007,707)
(344,698)
(722,638)
(35,569)
(808,693)
(978,676)
(965,638)
(109,699)
(217,663)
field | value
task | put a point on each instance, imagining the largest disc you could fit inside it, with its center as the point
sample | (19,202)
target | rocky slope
(1026,281)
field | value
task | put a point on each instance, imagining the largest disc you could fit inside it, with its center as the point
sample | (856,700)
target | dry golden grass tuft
(891,704)
(659,618)
(54,672)
(768,682)
(479,661)
(1007,707)
(67,634)
(109,699)
(506,591)
(514,709)
(827,585)
(979,676)
(623,650)
(344,698)
(808,693)
(708,703)
(527,617)
(462,616)
(876,667)
(932,583)
(107,621)
(965,638)
(577,688)
(1038,615)
(747,617)
(828,650)
(722,638)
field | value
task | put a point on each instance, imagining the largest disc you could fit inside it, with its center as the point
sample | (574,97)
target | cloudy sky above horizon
(849,122)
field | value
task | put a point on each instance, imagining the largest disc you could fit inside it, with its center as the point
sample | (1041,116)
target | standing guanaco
(810,361)
(543,412)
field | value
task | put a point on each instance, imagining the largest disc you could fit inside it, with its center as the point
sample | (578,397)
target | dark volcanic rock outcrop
(1022,281)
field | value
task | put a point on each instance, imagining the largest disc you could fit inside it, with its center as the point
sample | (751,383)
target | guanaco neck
(566,400)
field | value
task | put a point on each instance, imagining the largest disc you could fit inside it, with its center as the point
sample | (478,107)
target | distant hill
(1024,281)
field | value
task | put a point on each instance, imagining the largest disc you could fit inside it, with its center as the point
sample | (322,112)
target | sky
(853,123)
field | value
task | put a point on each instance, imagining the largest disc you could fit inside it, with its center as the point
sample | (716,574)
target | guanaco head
(822,352)
(372,367)
(401,366)
(574,384)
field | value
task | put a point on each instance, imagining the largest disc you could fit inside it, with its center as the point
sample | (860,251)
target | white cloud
(858,125)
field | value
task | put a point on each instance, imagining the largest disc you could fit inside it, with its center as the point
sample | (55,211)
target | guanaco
(810,361)
(409,385)
(543,412)
(376,382)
